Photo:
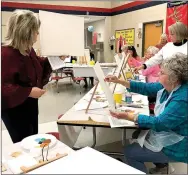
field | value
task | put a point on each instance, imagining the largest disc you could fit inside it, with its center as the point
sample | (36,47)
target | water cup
(118,98)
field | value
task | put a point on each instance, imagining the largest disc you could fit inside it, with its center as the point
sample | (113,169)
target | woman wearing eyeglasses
(178,33)
(167,137)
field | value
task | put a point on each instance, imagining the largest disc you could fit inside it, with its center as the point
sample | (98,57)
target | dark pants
(136,156)
(21,121)
(91,79)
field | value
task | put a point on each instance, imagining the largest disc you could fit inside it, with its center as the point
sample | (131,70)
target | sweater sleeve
(148,89)
(13,94)
(169,119)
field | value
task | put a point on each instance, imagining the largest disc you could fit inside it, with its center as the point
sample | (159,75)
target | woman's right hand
(111,78)
(36,92)
(138,68)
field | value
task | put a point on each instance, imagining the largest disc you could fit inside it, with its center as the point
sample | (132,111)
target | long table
(84,161)
(96,118)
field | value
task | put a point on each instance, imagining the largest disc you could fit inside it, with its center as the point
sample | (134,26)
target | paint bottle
(128,98)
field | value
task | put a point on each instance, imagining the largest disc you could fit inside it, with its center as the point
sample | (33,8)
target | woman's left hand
(123,115)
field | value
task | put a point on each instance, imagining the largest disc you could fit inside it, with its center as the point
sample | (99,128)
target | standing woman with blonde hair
(163,41)
(178,34)
(23,75)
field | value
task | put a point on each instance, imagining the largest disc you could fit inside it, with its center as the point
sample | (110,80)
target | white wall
(99,28)
(119,3)
(118,22)
(100,4)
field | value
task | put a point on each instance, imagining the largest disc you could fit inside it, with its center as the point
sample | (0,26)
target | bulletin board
(127,36)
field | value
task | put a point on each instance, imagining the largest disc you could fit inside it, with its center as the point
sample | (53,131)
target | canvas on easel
(104,85)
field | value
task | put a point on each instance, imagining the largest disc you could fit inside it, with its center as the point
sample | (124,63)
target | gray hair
(124,47)
(180,30)
(152,50)
(22,27)
(177,68)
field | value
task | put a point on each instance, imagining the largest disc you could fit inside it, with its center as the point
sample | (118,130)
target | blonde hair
(152,50)
(180,30)
(22,27)
(124,47)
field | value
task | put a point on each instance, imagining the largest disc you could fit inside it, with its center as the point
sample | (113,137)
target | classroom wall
(138,17)
(122,21)
(100,4)
(98,27)
(119,3)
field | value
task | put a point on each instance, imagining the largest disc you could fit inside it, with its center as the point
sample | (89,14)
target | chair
(78,81)
(68,74)
(56,134)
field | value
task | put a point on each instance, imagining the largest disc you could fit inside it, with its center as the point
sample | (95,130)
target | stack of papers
(23,160)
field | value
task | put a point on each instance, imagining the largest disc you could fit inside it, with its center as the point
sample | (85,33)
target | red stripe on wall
(54,7)
(129,5)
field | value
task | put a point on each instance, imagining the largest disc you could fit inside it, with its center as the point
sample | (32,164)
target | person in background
(167,137)
(151,73)
(23,76)
(124,49)
(178,33)
(92,57)
(134,60)
(163,41)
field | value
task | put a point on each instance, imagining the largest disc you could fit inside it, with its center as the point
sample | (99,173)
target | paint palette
(38,141)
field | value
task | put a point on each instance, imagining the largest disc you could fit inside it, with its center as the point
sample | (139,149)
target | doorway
(151,34)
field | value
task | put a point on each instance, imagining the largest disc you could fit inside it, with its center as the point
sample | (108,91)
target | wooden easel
(40,164)
(121,71)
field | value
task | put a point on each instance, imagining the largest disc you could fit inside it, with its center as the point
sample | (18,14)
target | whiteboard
(61,34)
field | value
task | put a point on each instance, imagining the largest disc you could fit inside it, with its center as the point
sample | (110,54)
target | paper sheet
(93,105)
(115,123)
(85,161)
(56,63)
(104,85)
(61,34)
(23,160)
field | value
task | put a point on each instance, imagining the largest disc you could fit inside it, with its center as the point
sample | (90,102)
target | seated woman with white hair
(167,137)
(151,73)
(163,41)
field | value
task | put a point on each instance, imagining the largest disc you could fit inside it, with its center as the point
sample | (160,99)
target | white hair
(152,50)
(124,47)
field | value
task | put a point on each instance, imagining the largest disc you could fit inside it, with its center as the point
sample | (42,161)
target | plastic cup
(118,98)
(73,61)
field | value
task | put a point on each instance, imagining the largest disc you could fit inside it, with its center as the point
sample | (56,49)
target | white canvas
(104,85)
(61,34)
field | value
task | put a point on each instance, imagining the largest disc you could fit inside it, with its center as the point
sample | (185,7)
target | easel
(82,60)
(118,74)
(42,163)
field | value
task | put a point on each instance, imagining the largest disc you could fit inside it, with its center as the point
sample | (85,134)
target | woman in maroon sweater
(23,76)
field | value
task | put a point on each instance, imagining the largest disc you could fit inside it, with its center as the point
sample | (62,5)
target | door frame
(143,36)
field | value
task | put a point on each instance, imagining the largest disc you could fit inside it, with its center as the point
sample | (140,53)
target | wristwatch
(136,119)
